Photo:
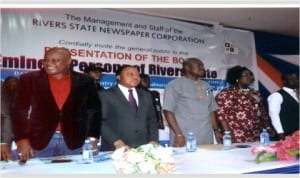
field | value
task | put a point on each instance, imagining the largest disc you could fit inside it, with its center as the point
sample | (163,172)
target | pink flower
(267,149)
(296,134)
(287,150)
(257,149)
(283,154)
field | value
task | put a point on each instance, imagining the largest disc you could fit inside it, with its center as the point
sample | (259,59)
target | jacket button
(136,131)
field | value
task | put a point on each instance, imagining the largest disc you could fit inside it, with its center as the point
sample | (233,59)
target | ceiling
(284,21)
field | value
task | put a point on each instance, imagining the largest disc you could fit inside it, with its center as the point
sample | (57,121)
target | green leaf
(270,157)
(264,157)
(259,157)
(136,169)
(293,152)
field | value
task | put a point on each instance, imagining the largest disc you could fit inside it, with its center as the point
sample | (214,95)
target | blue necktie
(132,101)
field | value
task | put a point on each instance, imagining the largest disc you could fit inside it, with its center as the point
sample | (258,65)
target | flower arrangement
(145,159)
(288,150)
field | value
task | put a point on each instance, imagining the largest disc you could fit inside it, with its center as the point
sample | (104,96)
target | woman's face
(246,78)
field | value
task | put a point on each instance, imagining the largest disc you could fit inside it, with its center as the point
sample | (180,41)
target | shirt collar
(65,77)
(125,89)
(288,89)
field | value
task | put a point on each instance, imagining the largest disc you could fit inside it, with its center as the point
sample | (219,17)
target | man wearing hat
(94,72)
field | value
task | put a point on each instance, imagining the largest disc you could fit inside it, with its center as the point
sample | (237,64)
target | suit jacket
(36,114)
(120,121)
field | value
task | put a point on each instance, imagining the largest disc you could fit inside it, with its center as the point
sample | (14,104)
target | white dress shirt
(125,92)
(274,103)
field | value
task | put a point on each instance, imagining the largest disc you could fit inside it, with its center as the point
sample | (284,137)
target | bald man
(56,109)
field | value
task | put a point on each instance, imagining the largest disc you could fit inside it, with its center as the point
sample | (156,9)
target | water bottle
(264,137)
(191,143)
(87,152)
(227,142)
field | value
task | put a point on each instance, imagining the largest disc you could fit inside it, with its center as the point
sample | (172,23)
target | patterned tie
(132,101)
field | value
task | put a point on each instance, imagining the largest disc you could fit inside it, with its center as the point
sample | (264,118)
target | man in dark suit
(56,109)
(128,118)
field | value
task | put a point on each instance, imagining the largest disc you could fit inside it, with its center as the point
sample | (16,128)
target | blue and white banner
(111,37)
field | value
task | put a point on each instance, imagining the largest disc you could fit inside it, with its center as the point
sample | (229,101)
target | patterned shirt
(244,112)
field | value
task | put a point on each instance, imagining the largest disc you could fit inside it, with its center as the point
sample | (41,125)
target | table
(214,160)
(208,159)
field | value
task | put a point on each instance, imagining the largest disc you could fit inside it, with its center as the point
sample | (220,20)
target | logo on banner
(230,48)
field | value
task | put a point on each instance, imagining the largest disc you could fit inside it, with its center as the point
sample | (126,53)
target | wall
(276,54)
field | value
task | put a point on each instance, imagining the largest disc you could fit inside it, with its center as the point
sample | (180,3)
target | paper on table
(15,164)
(178,150)
(211,147)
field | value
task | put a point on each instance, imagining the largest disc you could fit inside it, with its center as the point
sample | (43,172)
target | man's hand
(94,143)
(119,144)
(154,142)
(179,140)
(6,153)
(25,152)
(219,136)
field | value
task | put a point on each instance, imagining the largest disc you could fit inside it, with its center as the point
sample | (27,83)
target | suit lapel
(120,95)
(123,100)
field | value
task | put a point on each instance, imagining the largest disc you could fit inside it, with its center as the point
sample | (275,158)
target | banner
(110,38)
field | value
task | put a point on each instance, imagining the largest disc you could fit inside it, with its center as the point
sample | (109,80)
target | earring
(237,81)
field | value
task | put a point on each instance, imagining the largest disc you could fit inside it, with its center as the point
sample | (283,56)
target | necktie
(132,101)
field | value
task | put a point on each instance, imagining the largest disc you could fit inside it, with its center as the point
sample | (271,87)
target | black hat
(93,67)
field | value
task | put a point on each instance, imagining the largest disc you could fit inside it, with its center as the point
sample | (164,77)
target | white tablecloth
(210,159)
